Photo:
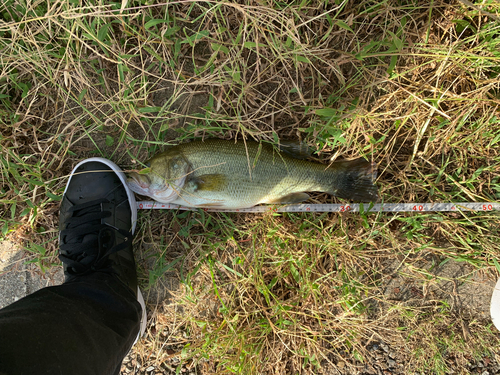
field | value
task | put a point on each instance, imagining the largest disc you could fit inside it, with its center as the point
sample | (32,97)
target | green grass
(411,85)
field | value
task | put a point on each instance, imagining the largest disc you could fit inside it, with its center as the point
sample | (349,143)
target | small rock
(391,363)
(150,368)
(384,347)
(392,355)
(485,373)
(341,364)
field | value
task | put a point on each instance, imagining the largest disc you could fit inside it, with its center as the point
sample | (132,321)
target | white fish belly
(213,200)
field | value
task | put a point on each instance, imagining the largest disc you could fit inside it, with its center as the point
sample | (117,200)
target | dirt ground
(18,279)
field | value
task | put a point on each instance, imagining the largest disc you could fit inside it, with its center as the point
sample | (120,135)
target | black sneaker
(97,221)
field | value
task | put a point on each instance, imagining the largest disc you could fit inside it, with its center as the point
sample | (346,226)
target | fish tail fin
(355,180)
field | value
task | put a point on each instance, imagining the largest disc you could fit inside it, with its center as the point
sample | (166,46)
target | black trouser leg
(81,327)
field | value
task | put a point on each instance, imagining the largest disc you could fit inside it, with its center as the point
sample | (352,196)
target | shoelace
(85,242)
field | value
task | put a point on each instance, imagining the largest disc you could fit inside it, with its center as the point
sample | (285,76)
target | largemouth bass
(224,174)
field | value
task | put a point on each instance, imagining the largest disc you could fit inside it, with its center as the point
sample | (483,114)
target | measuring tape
(355,207)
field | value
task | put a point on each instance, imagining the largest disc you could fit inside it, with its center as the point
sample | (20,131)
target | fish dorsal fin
(210,182)
(290,198)
(295,149)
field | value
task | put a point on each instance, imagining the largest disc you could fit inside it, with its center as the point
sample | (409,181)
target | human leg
(80,327)
(88,324)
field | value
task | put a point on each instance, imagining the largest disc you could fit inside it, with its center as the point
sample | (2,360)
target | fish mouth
(139,183)
(169,192)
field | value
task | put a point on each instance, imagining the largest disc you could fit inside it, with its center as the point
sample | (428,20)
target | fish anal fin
(210,205)
(211,182)
(289,199)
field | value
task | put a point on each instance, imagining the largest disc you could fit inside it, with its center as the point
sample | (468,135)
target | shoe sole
(133,209)
(495,306)
(144,318)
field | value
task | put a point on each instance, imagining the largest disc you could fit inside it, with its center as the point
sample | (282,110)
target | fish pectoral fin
(290,198)
(210,182)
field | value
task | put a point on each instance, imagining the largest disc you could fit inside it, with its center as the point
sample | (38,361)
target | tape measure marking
(355,207)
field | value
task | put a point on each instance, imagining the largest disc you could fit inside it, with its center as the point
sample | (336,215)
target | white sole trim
(144,318)
(495,306)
